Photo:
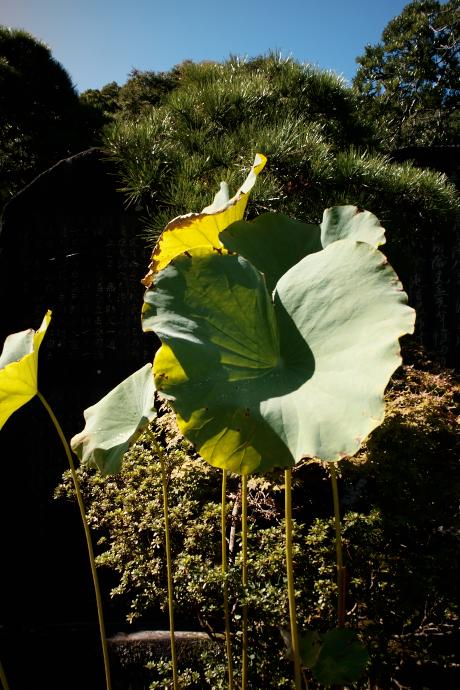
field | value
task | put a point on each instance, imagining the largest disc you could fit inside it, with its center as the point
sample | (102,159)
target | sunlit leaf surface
(19,369)
(257,383)
(202,229)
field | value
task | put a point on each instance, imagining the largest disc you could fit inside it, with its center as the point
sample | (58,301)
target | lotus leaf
(259,383)
(116,421)
(310,643)
(272,242)
(342,658)
(19,369)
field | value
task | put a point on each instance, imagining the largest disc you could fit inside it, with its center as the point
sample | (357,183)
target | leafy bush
(401,534)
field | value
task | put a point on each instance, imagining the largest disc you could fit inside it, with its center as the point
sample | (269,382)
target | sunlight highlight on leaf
(202,229)
(19,368)
(261,381)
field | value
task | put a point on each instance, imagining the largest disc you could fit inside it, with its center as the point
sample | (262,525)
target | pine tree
(410,81)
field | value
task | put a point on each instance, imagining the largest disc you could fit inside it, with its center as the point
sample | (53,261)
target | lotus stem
(244,578)
(338,550)
(290,580)
(228,641)
(97,590)
(161,457)
(3,679)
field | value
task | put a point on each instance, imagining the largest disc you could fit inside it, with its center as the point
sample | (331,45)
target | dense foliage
(411,79)
(41,117)
(401,533)
(307,122)
(197,121)
(142,91)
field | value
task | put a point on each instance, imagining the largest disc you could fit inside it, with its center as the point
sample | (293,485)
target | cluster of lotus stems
(278,340)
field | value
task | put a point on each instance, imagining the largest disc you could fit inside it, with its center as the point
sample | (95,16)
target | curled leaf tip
(202,229)
(352,223)
(220,201)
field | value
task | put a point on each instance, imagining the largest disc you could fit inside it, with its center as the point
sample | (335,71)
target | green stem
(89,544)
(290,580)
(228,641)
(244,578)
(3,678)
(338,550)
(161,457)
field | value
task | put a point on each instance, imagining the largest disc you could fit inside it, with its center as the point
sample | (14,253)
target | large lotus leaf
(202,229)
(116,421)
(258,385)
(274,243)
(19,369)
(347,304)
(342,658)
(220,354)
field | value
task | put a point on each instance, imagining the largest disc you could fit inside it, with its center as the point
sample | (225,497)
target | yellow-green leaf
(260,381)
(202,229)
(19,369)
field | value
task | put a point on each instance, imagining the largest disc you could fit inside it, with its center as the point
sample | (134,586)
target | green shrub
(401,533)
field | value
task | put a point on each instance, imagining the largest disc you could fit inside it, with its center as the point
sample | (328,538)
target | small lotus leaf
(202,229)
(19,369)
(257,384)
(116,421)
(342,658)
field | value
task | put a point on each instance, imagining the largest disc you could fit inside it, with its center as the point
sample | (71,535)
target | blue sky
(101,41)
